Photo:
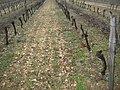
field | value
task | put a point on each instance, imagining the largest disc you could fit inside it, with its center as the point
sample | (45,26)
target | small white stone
(3,84)
(34,80)
(66,80)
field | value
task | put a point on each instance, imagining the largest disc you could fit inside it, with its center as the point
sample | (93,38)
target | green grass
(5,62)
(79,80)
(8,55)
(54,83)
(77,56)
(56,55)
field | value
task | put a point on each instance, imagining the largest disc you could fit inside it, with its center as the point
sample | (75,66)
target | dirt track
(48,54)
(35,65)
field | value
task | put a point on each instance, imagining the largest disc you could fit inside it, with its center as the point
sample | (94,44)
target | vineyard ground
(47,54)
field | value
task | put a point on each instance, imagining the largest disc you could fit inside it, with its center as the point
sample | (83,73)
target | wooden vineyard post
(6,37)
(66,4)
(25,6)
(104,13)
(112,45)
(118,30)
(72,20)
(94,8)
(98,10)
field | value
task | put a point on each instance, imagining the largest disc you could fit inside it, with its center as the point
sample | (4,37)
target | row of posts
(114,37)
(25,17)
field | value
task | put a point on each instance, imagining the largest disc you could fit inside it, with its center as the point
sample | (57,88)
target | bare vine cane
(24,18)
(6,37)
(86,39)
(100,55)
(74,22)
(15,31)
(21,22)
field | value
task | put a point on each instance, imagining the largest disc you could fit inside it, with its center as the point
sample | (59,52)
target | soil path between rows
(38,65)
